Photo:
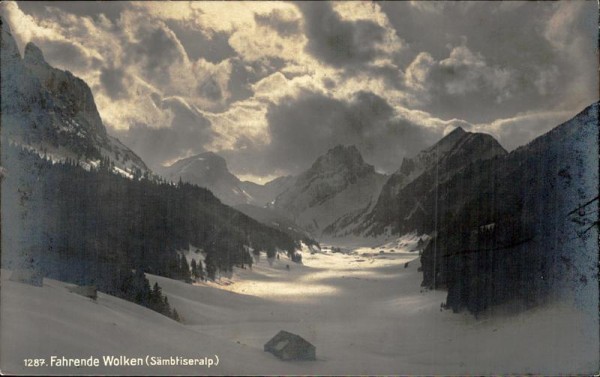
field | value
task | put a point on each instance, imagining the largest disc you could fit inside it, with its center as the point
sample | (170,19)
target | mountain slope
(337,183)
(518,230)
(53,112)
(264,195)
(408,199)
(275,219)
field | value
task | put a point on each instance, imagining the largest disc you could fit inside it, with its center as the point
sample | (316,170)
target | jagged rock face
(407,200)
(10,52)
(513,231)
(338,183)
(53,111)
(330,173)
(73,92)
(18,92)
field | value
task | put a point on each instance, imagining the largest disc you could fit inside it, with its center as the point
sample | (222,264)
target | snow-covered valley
(364,311)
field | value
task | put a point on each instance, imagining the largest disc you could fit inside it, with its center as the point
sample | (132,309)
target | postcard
(299,188)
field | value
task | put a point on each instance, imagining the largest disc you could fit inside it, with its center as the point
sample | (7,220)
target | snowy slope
(364,311)
(42,322)
(366,314)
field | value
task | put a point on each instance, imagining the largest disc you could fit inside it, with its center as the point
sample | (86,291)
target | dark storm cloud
(244,74)
(157,50)
(210,89)
(278,22)
(66,55)
(305,127)
(114,83)
(509,36)
(189,133)
(338,42)
(79,8)
(213,46)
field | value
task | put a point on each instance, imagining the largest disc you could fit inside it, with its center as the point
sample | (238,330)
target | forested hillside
(96,227)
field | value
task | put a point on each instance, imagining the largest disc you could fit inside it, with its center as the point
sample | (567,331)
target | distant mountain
(407,200)
(338,183)
(521,227)
(210,170)
(53,112)
(264,195)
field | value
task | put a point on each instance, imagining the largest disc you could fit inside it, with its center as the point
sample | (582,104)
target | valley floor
(365,312)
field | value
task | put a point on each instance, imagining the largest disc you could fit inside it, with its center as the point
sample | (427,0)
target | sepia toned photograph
(299,188)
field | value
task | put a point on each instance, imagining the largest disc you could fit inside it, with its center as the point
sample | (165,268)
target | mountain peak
(338,183)
(340,155)
(452,137)
(458,130)
(209,170)
(59,106)
(205,159)
(33,55)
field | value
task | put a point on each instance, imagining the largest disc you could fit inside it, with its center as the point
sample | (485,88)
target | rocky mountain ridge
(53,112)
(408,198)
(339,182)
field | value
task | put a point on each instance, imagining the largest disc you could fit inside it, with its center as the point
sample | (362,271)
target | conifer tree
(194,269)
(211,268)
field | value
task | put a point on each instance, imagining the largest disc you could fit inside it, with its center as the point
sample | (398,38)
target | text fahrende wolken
(122,361)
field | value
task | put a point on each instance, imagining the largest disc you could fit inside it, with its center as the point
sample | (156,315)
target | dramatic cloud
(284,22)
(77,8)
(307,126)
(188,134)
(537,54)
(271,85)
(156,51)
(245,74)
(114,81)
(210,45)
(339,42)
(461,73)
(511,132)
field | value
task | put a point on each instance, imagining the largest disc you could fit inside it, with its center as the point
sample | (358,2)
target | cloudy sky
(270,86)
